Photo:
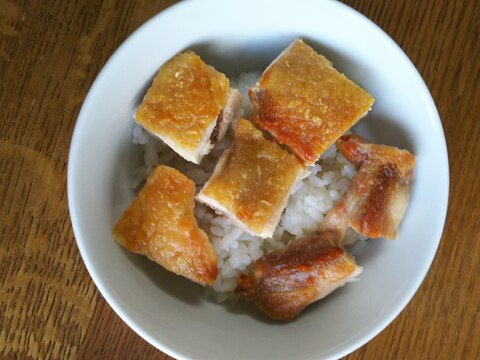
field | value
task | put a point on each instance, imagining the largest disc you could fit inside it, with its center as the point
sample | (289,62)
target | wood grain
(50,53)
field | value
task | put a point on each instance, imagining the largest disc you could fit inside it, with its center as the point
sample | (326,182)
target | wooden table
(50,53)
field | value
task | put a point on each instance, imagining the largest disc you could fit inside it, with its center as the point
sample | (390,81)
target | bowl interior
(170,312)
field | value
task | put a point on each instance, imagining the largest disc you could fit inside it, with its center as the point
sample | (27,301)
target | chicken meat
(305,104)
(189,105)
(160,224)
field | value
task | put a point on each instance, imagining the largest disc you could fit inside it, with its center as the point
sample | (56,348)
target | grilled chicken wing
(160,224)
(305,103)
(187,103)
(286,281)
(376,200)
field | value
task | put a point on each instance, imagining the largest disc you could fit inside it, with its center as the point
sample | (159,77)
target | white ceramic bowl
(235,36)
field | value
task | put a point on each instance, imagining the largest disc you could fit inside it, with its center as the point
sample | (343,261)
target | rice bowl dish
(173,315)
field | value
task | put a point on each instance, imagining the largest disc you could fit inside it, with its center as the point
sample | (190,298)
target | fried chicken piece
(376,200)
(160,224)
(252,181)
(286,281)
(187,103)
(305,103)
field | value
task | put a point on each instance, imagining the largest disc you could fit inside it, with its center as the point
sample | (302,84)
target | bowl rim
(82,120)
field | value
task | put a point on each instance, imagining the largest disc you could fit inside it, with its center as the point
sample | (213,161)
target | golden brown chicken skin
(305,103)
(286,281)
(376,200)
(252,181)
(160,224)
(187,101)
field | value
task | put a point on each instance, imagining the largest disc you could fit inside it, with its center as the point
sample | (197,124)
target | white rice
(310,200)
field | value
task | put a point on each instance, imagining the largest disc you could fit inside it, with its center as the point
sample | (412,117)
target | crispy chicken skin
(376,200)
(305,103)
(286,281)
(252,181)
(187,101)
(160,224)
